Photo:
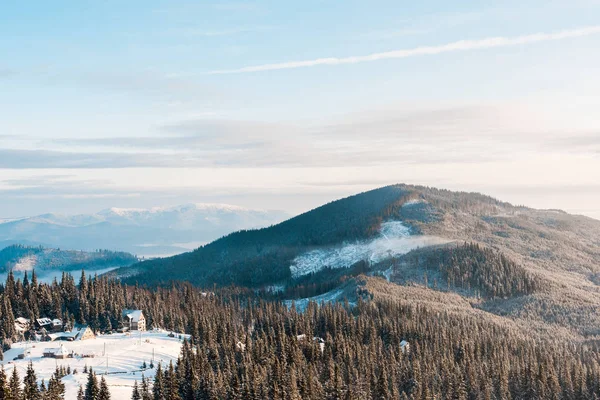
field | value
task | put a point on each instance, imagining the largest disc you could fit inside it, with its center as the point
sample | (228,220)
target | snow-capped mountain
(146,232)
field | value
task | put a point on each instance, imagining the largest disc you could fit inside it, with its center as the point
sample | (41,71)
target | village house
(50,325)
(134,320)
(22,324)
(43,323)
(79,332)
(57,352)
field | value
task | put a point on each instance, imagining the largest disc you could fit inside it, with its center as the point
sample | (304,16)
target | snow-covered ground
(125,354)
(394,239)
(328,297)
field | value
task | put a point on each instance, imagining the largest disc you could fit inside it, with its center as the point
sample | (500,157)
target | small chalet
(43,323)
(134,320)
(50,325)
(57,325)
(58,352)
(79,332)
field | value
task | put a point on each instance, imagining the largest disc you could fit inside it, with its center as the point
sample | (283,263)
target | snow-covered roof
(44,321)
(57,322)
(57,351)
(22,321)
(74,334)
(133,315)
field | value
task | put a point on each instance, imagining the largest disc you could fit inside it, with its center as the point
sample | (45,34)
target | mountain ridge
(141,231)
(515,261)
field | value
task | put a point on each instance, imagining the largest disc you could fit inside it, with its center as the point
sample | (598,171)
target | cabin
(57,325)
(43,323)
(134,320)
(79,332)
(56,352)
(50,325)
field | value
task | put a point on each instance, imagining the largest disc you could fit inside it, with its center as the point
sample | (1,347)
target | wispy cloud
(461,45)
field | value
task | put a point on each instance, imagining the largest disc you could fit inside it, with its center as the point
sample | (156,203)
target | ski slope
(119,356)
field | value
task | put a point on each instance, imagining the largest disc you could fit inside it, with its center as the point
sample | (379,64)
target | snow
(328,297)
(413,202)
(394,240)
(26,263)
(125,354)
(133,315)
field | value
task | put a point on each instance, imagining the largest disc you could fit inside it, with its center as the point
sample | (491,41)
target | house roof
(44,321)
(57,351)
(133,315)
(22,321)
(75,333)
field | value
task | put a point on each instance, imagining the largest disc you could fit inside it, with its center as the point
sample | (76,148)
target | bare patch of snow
(413,202)
(328,297)
(394,240)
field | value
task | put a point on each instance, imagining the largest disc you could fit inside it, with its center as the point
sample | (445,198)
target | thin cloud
(461,45)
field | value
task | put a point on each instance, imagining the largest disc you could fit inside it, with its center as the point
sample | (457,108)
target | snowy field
(125,355)
(394,240)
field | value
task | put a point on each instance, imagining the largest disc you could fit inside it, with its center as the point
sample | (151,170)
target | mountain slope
(148,232)
(258,257)
(542,266)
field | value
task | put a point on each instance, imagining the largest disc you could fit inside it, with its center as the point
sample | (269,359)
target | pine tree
(136,393)
(14,386)
(92,389)
(30,390)
(43,391)
(171,384)
(145,391)
(104,393)
(158,390)
(80,394)
(56,388)
(3,384)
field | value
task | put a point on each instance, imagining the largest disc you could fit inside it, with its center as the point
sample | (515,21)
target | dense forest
(468,267)
(243,347)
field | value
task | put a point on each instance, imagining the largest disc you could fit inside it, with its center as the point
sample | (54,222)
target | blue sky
(137,104)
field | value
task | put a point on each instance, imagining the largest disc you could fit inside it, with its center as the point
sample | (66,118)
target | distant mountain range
(540,268)
(145,232)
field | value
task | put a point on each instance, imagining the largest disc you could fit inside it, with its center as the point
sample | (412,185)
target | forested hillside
(26,258)
(470,268)
(258,257)
(535,265)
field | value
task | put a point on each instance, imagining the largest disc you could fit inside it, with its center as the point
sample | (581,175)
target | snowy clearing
(395,239)
(125,354)
(328,297)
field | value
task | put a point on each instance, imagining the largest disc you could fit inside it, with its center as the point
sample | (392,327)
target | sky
(288,105)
